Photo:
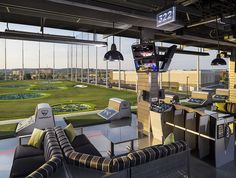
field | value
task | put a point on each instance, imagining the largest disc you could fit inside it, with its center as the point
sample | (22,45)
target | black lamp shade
(113,54)
(218,61)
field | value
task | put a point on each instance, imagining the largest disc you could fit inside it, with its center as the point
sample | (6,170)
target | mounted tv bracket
(148,64)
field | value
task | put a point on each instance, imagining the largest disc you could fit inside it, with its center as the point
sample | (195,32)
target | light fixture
(113,54)
(29,36)
(218,60)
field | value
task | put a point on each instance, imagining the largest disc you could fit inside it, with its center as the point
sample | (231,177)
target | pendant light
(218,60)
(113,54)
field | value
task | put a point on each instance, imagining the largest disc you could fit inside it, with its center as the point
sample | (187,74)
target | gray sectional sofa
(154,161)
(58,158)
(32,162)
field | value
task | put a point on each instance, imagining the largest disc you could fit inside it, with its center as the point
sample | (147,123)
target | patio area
(121,130)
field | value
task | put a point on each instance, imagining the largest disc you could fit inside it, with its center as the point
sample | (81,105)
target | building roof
(198,18)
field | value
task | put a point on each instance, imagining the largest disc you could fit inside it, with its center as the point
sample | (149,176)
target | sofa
(84,160)
(32,162)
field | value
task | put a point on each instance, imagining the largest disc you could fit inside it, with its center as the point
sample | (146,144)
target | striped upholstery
(51,146)
(142,156)
(120,163)
(90,161)
(47,169)
(53,156)
(155,152)
(63,142)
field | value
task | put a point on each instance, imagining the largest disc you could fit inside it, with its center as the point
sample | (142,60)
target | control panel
(160,107)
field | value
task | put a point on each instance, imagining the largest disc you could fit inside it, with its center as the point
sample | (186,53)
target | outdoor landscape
(18,100)
(18,105)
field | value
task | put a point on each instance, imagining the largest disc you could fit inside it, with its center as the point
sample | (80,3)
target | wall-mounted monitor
(144,51)
(146,65)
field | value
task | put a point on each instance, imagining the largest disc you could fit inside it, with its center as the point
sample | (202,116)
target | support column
(96,79)
(160,74)
(68,55)
(198,68)
(39,63)
(107,68)
(147,82)
(106,74)
(23,67)
(232,76)
(119,85)
(5,71)
(76,63)
(71,63)
(53,64)
(88,79)
(82,59)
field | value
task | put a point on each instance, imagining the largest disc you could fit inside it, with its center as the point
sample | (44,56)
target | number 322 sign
(165,17)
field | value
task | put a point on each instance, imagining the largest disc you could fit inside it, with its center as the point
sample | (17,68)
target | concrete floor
(98,136)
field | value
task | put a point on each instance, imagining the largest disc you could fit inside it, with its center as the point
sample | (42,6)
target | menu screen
(146,65)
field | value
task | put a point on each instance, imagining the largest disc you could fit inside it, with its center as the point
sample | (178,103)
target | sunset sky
(31,52)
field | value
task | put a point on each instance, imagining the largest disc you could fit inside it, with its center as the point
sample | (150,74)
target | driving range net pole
(5,71)
(39,63)
(88,64)
(22,58)
(82,61)
(119,85)
(67,70)
(76,63)
(71,63)
(53,69)
(107,68)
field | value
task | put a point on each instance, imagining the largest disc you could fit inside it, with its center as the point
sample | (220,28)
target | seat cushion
(80,140)
(24,166)
(88,149)
(23,151)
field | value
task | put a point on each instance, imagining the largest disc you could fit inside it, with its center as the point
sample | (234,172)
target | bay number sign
(166,16)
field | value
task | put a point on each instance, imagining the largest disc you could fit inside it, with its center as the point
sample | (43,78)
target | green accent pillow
(70,132)
(169,139)
(36,138)
(220,107)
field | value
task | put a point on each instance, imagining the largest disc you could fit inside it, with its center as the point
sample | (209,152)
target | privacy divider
(179,120)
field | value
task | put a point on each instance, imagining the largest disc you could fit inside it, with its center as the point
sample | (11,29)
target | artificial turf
(85,120)
(7,130)
(98,96)
(191,105)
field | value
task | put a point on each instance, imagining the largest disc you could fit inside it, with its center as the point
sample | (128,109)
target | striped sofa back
(51,145)
(53,156)
(90,161)
(155,152)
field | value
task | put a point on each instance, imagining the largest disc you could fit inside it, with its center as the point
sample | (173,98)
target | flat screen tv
(146,65)
(144,51)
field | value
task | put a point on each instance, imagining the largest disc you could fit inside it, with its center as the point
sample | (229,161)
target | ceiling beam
(28,36)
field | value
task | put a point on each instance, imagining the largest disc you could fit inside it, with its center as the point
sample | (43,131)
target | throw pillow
(36,138)
(70,132)
(169,139)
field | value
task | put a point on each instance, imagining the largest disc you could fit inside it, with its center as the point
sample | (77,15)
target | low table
(121,135)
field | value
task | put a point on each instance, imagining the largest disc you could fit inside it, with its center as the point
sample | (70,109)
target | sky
(31,52)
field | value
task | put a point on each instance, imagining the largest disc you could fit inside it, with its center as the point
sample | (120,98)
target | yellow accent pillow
(169,139)
(220,107)
(36,138)
(70,132)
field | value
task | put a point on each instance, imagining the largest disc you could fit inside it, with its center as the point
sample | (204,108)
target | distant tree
(27,76)
(1,76)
